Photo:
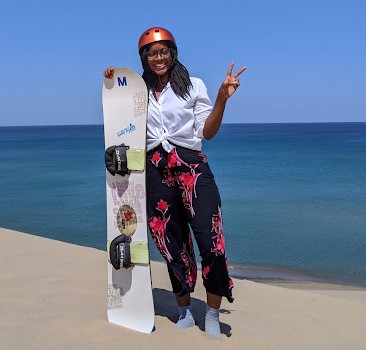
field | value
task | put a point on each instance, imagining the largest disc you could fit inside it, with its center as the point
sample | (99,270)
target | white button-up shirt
(177,120)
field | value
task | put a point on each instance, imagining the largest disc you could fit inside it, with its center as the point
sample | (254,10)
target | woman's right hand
(109,72)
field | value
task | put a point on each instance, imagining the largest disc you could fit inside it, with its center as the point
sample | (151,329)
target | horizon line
(224,123)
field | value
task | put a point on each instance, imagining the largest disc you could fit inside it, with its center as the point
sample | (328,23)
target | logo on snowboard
(122,81)
(126,220)
(127,130)
(115,294)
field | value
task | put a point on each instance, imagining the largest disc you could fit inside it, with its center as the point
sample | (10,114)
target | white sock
(186,319)
(212,324)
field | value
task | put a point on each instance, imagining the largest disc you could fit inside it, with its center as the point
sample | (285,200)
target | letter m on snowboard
(122,81)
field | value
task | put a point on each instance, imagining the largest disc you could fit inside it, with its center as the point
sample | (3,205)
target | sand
(53,296)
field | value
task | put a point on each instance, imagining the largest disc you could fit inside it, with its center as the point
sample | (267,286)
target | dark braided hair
(179,76)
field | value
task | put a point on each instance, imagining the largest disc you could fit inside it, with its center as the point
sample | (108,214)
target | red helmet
(154,34)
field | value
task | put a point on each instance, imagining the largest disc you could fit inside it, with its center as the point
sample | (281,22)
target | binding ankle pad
(116,160)
(119,252)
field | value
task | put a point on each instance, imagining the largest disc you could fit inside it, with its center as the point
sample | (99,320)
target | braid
(179,75)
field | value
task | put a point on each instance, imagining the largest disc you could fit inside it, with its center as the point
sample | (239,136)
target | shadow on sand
(165,305)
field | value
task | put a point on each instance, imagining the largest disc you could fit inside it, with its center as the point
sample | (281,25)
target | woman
(182,194)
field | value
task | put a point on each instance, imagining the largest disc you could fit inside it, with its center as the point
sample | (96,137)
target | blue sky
(305,59)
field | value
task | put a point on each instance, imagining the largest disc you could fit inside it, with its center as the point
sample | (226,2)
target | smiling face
(159,59)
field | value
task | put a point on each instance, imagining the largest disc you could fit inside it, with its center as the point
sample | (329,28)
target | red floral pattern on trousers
(156,158)
(157,226)
(186,180)
(188,259)
(218,239)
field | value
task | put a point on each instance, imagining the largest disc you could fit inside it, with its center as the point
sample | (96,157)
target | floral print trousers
(182,197)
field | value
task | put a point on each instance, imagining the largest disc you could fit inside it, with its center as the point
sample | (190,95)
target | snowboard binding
(119,252)
(116,160)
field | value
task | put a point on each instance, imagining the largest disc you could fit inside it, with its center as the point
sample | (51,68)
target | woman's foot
(212,323)
(186,319)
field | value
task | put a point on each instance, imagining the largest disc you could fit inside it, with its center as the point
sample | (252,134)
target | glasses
(154,54)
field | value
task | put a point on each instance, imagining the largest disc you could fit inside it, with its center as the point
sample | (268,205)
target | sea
(293,195)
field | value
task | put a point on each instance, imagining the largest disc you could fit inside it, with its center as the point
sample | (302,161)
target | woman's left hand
(231,82)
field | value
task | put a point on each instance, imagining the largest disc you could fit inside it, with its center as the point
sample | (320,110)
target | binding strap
(116,160)
(119,252)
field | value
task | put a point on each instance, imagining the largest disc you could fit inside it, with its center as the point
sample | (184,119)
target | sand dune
(53,296)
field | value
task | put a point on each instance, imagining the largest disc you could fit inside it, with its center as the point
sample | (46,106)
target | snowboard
(130,300)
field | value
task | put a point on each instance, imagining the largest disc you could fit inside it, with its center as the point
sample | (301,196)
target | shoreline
(262,274)
(281,276)
(274,275)
(288,278)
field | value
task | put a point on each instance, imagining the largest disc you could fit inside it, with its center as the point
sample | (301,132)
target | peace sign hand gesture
(231,83)
(227,88)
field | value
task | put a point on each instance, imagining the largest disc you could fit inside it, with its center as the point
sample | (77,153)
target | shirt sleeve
(202,107)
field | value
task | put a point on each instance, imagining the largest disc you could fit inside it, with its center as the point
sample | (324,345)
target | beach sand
(53,296)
